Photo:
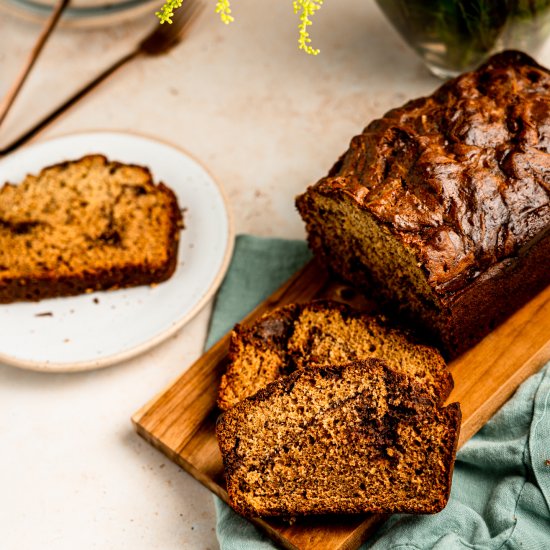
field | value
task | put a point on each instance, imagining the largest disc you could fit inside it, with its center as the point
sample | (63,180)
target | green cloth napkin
(501,485)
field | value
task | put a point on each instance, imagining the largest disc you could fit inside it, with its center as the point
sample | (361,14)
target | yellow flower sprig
(223,7)
(167,11)
(306,9)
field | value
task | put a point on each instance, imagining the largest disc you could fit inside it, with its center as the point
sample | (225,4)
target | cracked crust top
(461,177)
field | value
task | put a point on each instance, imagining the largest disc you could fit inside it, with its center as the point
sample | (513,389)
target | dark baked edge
(493,297)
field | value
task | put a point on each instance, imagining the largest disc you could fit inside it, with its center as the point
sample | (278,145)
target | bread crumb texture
(353,438)
(85,225)
(324,333)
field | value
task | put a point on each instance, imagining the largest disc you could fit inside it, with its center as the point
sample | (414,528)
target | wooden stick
(50,25)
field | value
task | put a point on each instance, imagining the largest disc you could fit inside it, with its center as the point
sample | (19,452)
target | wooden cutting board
(181,420)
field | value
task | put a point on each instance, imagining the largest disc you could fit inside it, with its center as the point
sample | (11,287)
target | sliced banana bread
(323,332)
(444,203)
(339,439)
(85,225)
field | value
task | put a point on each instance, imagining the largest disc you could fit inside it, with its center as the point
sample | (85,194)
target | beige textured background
(267,120)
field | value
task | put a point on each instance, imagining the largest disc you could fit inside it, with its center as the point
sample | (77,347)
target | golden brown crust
(23,226)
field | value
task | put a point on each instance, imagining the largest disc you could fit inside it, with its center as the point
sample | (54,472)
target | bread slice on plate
(353,438)
(323,332)
(85,225)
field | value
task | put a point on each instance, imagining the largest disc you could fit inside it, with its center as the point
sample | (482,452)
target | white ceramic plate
(99,329)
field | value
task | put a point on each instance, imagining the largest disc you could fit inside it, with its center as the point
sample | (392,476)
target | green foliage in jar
(460,34)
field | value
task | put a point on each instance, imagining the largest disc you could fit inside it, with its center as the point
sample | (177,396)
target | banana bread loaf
(444,203)
(339,439)
(85,225)
(323,332)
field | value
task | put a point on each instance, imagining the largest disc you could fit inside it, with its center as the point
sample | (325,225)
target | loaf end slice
(339,439)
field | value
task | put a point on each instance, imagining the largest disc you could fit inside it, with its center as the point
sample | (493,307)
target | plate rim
(116,358)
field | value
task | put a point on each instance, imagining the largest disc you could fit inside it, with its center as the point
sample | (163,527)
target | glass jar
(453,36)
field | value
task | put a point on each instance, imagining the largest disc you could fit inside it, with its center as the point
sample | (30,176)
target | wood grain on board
(181,420)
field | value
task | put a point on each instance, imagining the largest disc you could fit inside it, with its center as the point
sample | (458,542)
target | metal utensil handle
(68,103)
